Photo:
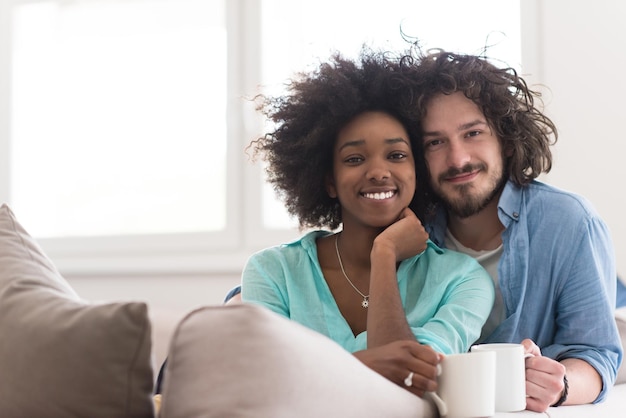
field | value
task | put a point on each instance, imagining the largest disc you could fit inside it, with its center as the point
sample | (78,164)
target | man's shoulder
(542,196)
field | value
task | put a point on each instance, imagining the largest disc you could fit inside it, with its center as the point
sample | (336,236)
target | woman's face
(373,170)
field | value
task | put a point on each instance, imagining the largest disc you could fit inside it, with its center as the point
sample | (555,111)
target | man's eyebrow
(472,124)
(461,127)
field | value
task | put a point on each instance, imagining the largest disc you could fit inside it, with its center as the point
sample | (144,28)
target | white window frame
(184,253)
(199,253)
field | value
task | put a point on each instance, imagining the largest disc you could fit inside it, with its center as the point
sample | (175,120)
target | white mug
(466,385)
(510,375)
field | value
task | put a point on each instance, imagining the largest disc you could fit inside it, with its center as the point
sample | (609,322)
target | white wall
(578,50)
(580,56)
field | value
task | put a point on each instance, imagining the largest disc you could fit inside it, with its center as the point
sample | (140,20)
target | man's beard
(466,202)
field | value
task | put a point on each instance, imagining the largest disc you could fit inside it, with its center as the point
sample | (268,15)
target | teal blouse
(447,296)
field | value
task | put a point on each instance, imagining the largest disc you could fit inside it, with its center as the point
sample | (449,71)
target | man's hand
(544,379)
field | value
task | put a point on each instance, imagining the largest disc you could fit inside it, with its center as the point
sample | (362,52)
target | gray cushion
(61,356)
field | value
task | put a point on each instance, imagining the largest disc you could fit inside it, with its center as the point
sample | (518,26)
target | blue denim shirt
(557,276)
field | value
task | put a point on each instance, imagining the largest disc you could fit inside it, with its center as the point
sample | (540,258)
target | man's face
(463,156)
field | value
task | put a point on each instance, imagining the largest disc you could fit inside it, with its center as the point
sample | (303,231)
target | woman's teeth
(379,196)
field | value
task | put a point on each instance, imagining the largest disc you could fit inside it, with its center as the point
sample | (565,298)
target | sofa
(61,356)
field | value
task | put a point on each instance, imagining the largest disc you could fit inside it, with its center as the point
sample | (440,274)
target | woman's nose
(378,171)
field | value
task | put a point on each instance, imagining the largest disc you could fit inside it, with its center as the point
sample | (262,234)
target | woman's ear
(330,186)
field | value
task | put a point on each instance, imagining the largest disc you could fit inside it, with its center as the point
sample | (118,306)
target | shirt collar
(510,203)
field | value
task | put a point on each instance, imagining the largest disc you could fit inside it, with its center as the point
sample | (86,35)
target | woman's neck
(356,244)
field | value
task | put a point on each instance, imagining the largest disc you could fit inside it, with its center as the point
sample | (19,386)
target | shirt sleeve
(458,296)
(263,283)
(585,325)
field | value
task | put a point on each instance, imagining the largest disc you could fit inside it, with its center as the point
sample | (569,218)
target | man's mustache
(454,171)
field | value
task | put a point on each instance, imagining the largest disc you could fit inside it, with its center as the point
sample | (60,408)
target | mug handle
(441,405)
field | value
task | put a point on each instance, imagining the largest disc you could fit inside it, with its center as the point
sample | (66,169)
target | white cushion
(245,361)
(612,407)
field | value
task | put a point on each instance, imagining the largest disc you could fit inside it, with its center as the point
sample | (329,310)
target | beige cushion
(60,356)
(620,319)
(245,361)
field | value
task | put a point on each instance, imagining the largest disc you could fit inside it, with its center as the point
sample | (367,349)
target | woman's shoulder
(302,246)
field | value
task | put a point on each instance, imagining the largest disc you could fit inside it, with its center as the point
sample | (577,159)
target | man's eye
(473,133)
(433,143)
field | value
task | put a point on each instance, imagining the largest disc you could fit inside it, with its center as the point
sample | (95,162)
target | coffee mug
(510,375)
(466,385)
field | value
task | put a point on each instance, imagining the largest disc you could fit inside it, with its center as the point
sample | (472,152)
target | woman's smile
(380,195)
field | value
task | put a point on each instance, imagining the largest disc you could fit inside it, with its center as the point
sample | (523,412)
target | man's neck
(479,232)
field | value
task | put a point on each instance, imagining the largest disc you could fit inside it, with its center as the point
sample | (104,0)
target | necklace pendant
(366,298)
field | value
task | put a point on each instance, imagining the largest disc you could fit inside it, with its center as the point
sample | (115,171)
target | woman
(343,155)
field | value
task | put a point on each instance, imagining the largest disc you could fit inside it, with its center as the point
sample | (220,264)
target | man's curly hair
(502,95)
(318,104)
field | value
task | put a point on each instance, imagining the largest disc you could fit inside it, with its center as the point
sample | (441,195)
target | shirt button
(515,215)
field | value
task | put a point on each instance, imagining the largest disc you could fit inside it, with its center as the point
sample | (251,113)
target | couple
(410,155)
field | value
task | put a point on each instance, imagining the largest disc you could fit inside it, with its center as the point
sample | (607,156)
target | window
(119,107)
(124,123)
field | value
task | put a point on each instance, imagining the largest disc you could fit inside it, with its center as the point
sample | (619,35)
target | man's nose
(458,154)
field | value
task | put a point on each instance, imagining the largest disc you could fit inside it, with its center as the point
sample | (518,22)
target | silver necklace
(366,298)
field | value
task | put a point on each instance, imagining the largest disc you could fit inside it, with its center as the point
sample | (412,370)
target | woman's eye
(353,160)
(397,155)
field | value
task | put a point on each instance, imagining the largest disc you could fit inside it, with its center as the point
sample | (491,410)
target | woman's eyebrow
(358,142)
(354,143)
(392,141)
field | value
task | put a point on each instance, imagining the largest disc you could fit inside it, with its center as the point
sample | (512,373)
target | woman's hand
(406,237)
(398,359)
(386,318)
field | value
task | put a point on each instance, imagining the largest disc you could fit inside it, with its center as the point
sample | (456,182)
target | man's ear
(508,151)
(330,186)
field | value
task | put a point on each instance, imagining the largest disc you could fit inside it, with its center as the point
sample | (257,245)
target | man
(548,251)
